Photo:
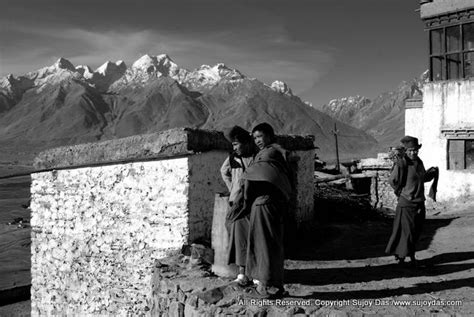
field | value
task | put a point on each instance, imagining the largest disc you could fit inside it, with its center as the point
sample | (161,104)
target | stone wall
(96,233)
(381,194)
(103,213)
(304,186)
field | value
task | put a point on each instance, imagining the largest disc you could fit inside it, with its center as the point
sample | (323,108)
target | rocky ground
(341,270)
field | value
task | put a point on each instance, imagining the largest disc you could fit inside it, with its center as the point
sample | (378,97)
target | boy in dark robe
(407,179)
(231,172)
(267,191)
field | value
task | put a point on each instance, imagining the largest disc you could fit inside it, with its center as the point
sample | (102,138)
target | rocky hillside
(64,104)
(383,117)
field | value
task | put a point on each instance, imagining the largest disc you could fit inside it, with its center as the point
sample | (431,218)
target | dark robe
(237,224)
(407,226)
(267,190)
(407,179)
(237,219)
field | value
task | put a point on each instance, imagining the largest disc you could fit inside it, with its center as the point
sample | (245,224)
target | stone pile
(184,287)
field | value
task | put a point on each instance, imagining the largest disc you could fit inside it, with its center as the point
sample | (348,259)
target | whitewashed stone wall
(96,233)
(446,105)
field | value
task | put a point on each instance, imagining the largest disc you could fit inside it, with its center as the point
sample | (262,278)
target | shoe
(401,260)
(242,280)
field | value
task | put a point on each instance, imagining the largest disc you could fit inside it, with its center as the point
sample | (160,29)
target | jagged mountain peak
(205,77)
(104,67)
(7,81)
(147,61)
(85,71)
(350,99)
(152,95)
(82,68)
(61,70)
(281,87)
(108,67)
(63,63)
(146,68)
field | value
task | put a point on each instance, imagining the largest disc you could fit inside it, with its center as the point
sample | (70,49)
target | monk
(407,179)
(267,191)
(237,224)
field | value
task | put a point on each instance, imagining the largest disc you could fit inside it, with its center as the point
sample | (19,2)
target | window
(452,52)
(460,154)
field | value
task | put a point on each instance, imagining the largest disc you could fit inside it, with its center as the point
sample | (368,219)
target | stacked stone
(382,194)
(182,286)
(96,233)
(304,178)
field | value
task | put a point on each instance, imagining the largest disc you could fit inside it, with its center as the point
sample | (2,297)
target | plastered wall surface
(414,121)
(205,181)
(446,105)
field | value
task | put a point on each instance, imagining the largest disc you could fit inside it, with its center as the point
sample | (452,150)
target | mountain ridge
(382,117)
(63,104)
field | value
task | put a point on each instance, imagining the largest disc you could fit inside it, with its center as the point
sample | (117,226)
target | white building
(444,119)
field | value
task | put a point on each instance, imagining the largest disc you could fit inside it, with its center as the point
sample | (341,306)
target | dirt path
(350,273)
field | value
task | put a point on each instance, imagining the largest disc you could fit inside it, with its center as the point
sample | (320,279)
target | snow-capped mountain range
(66,104)
(114,76)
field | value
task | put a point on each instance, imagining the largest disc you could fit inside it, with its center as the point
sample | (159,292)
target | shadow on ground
(354,240)
(421,288)
(434,266)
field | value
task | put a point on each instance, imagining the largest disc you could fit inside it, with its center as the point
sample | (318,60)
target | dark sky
(323,49)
